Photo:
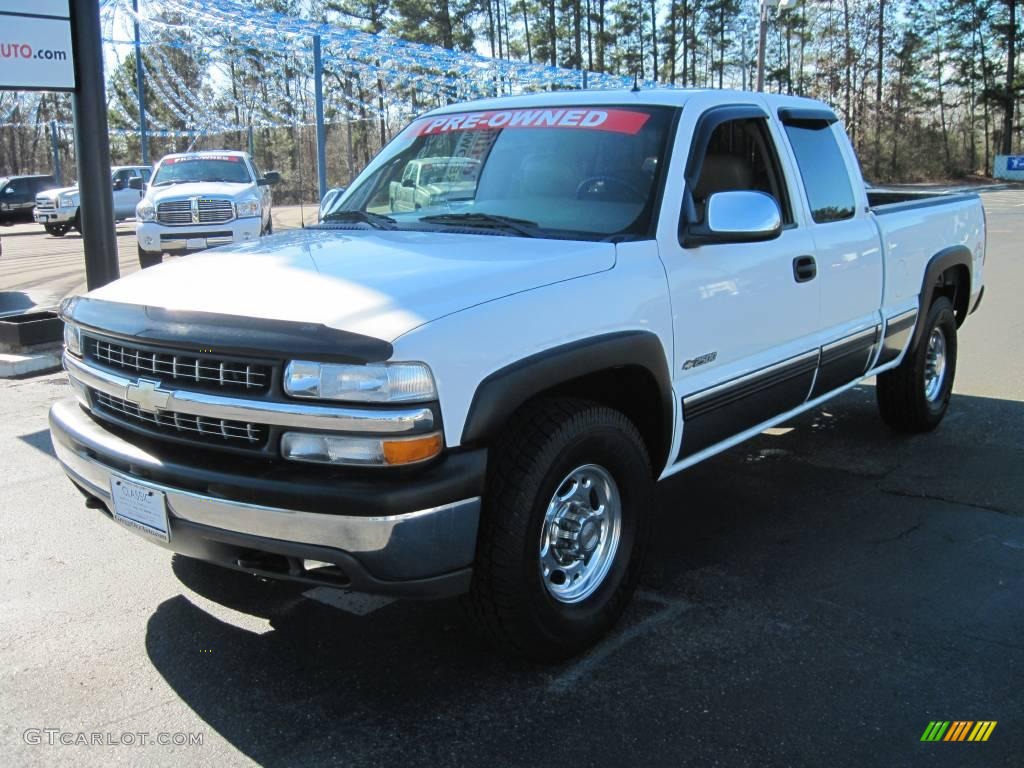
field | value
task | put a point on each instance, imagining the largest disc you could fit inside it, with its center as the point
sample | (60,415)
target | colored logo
(958,730)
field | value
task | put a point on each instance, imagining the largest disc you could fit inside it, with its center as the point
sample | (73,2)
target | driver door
(744,319)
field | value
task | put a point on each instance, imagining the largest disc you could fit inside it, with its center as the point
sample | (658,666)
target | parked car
(432,180)
(18,195)
(57,209)
(478,397)
(200,200)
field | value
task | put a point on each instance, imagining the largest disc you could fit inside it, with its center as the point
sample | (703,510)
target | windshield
(176,170)
(573,172)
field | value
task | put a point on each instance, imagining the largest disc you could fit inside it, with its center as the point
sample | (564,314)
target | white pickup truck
(478,397)
(57,209)
(199,200)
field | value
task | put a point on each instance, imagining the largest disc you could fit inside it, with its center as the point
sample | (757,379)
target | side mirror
(329,199)
(117,184)
(270,178)
(134,182)
(408,183)
(741,216)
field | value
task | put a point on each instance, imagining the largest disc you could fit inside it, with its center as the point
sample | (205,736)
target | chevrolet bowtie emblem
(148,396)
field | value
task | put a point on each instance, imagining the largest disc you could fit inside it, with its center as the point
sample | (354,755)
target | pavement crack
(902,534)
(948,500)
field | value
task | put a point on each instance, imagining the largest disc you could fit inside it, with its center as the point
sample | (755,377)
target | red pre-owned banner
(578,118)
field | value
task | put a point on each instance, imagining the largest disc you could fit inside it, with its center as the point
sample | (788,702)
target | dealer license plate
(140,507)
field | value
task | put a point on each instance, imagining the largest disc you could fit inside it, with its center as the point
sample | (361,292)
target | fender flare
(953,256)
(504,391)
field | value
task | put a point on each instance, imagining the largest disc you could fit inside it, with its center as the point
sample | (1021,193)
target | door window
(825,175)
(741,155)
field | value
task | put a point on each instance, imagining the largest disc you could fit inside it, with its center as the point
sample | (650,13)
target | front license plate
(139,507)
(44,217)
(195,243)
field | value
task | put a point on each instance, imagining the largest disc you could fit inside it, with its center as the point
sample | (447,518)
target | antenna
(636,84)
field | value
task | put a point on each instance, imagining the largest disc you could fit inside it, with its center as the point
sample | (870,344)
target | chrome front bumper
(426,553)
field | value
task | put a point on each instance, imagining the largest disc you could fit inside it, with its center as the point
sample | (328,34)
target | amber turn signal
(411,451)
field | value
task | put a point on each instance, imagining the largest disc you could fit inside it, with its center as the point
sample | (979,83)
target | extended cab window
(825,175)
(741,156)
(587,172)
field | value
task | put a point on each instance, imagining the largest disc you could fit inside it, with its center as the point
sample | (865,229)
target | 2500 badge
(702,360)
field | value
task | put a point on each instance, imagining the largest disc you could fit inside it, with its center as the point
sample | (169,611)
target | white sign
(35,45)
(58,8)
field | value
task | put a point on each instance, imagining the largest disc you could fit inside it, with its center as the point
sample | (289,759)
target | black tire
(147,259)
(57,230)
(270,227)
(509,600)
(76,223)
(902,399)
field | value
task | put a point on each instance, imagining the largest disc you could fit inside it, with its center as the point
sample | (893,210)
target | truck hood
(200,189)
(376,283)
(53,194)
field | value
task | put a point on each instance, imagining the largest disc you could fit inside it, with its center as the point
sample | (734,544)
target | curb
(16,366)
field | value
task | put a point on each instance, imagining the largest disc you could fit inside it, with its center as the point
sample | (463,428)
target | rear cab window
(823,170)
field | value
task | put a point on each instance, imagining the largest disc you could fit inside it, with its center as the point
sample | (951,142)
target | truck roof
(671,97)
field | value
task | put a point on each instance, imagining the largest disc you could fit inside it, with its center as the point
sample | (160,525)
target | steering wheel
(581,188)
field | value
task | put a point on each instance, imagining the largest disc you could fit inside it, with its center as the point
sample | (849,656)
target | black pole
(92,146)
(55,146)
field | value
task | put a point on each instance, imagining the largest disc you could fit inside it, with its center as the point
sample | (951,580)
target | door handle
(805,268)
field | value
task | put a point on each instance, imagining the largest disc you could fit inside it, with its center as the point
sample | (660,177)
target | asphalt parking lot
(37,269)
(814,598)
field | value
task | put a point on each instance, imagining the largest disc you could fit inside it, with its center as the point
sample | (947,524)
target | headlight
(145,211)
(68,201)
(378,383)
(360,451)
(247,209)
(73,339)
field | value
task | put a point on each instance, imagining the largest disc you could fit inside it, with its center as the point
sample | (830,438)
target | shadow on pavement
(839,581)
(40,441)
(15,301)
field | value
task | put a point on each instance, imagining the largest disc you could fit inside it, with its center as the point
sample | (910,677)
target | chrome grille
(203,372)
(209,210)
(188,426)
(45,203)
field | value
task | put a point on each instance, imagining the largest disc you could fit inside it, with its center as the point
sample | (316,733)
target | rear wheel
(564,530)
(148,259)
(914,396)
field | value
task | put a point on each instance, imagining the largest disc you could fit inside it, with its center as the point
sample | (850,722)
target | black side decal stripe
(897,334)
(717,413)
(845,360)
(697,404)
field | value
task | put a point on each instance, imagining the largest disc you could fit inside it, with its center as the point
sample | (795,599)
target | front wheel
(57,230)
(564,530)
(914,396)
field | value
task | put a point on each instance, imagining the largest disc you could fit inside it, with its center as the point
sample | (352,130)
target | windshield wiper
(479,220)
(168,182)
(376,220)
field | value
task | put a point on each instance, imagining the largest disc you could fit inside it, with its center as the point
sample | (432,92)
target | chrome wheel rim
(935,365)
(580,534)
